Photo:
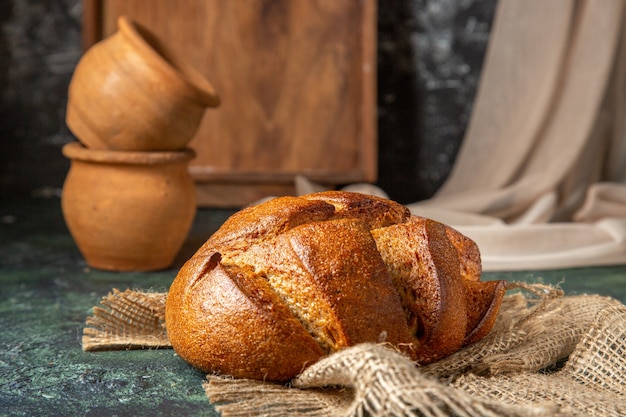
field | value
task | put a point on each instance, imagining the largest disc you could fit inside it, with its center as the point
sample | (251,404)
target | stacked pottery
(128,199)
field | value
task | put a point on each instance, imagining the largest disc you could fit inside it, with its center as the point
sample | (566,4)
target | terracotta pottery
(128,211)
(130,92)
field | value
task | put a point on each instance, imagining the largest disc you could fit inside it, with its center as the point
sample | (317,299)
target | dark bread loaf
(284,283)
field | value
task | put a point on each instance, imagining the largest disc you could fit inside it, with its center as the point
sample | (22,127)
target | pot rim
(201,89)
(78,151)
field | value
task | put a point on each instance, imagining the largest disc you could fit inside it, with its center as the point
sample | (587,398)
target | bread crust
(282,284)
(230,321)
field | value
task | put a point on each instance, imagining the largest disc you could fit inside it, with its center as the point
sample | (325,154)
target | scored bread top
(281,284)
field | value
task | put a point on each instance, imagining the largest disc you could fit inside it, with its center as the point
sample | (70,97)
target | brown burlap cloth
(547,355)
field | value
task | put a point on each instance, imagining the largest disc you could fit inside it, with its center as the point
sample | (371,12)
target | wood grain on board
(297,80)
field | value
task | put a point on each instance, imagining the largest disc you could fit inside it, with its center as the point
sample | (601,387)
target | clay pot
(130,92)
(128,211)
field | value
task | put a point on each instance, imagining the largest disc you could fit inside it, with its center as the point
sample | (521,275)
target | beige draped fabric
(540,180)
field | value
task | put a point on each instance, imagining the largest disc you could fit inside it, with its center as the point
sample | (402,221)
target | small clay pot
(128,211)
(130,92)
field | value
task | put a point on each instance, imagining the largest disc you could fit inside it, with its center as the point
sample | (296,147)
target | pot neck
(77,151)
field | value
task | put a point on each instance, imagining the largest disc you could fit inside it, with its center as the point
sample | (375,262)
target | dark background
(430,54)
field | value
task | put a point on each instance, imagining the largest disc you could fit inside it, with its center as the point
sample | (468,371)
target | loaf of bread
(284,283)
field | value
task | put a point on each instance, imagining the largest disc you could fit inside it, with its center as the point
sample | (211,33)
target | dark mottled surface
(47,291)
(430,56)
(39,48)
(607,280)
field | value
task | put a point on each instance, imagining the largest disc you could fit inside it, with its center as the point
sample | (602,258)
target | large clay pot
(128,211)
(130,92)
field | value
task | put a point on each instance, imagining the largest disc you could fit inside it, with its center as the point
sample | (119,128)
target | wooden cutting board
(297,80)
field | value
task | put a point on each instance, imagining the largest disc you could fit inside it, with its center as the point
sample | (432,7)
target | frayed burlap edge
(520,369)
(546,355)
(127,320)
(364,380)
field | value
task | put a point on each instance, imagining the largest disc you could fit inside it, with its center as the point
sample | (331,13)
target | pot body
(130,92)
(128,212)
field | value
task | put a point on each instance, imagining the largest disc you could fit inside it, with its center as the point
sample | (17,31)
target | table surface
(47,291)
